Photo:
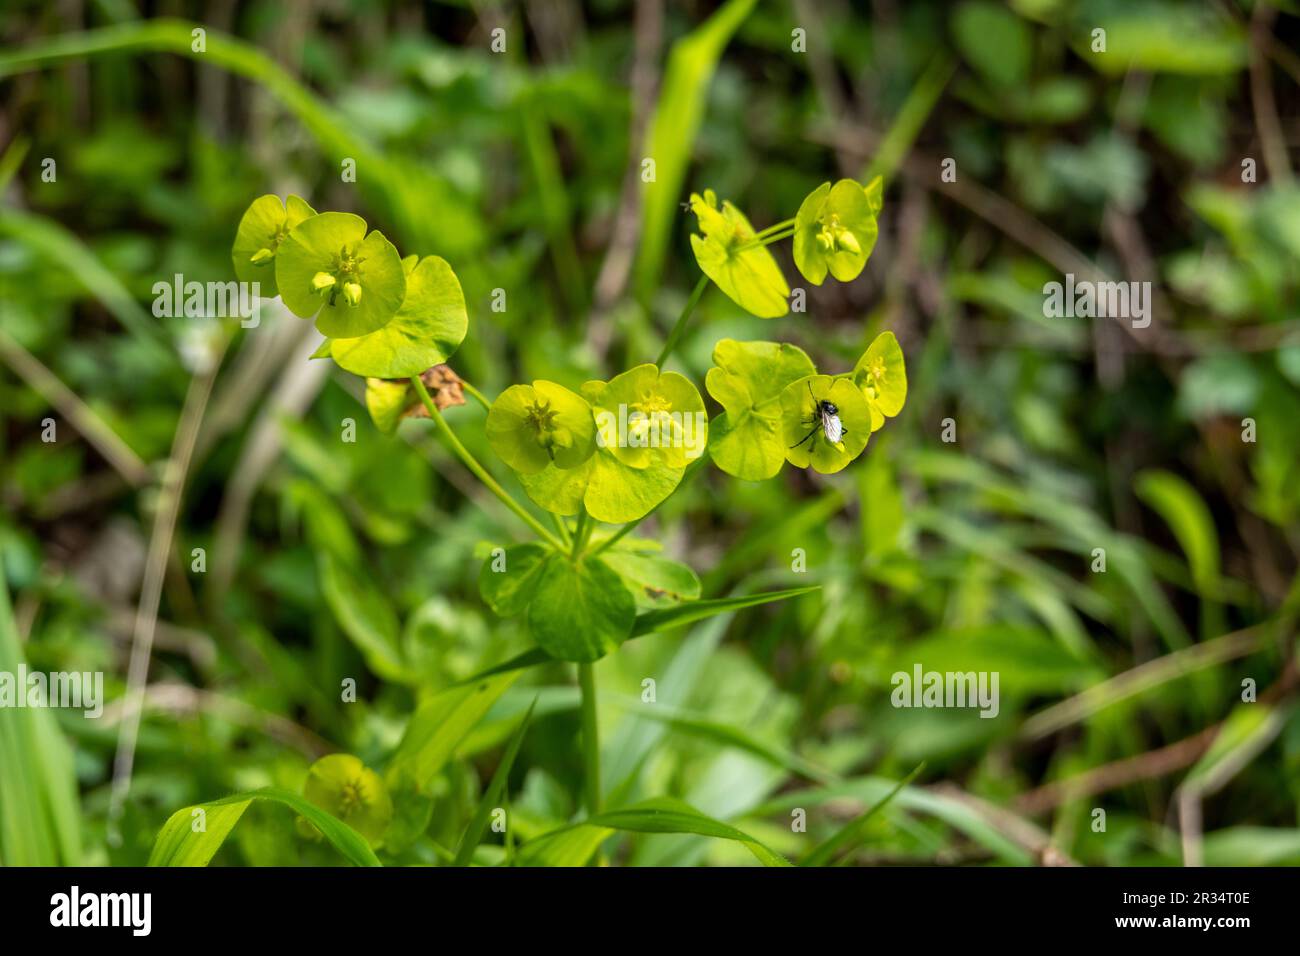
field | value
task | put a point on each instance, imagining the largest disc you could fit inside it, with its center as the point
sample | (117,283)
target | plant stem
(562,528)
(771,230)
(580,534)
(675,335)
(475,394)
(762,239)
(479,471)
(590,737)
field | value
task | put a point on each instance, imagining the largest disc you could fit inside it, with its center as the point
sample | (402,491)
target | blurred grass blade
(914,799)
(439,724)
(39,810)
(414,195)
(174,36)
(1185,512)
(665,815)
(1246,732)
(670,617)
(519,662)
(728,736)
(854,832)
(911,117)
(474,832)
(366,617)
(179,845)
(570,847)
(671,133)
(64,250)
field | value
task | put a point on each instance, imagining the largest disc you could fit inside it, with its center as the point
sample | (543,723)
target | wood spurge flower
(351,791)
(834,230)
(264,226)
(327,267)
(532,426)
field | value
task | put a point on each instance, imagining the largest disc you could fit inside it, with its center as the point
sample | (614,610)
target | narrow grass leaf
(854,832)
(439,725)
(179,845)
(491,796)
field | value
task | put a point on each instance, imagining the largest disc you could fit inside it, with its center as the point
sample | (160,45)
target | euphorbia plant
(589,453)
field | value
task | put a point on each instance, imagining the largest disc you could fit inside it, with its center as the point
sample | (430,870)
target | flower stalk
(479,471)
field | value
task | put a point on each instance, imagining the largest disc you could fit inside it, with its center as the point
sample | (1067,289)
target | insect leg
(805,437)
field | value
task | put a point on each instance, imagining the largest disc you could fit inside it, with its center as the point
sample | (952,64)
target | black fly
(826,416)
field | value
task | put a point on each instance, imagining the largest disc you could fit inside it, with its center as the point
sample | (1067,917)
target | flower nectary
(532,426)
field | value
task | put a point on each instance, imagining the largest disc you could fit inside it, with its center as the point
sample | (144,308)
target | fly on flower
(826,416)
(826,422)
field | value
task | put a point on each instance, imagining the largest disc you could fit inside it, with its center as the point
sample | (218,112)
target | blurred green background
(1121,690)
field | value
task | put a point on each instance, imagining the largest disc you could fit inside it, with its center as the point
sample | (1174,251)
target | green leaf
(995,41)
(871,789)
(852,833)
(617,493)
(1028,661)
(875,191)
(738,265)
(1168,38)
(39,812)
(804,432)
(492,795)
(508,591)
(178,844)
(365,616)
(63,250)
(438,725)
(666,618)
(1188,517)
(728,736)
(335,245)
(661,619)
(1249,728)
(1252,846)
(572,847)
(560,490)
(747,380)
(666,815)
(426,331)
(654,581)
(261,230)
(387,402)
(580,611)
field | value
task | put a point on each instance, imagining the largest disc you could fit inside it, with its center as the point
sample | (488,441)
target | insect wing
(832,427)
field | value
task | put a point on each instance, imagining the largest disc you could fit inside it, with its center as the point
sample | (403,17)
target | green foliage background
(326,560)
